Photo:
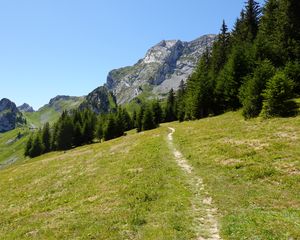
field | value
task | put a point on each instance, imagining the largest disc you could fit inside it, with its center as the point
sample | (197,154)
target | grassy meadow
(132,188)
(252,171)
(128,188)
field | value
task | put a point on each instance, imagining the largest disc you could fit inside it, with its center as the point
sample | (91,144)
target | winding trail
(205,221)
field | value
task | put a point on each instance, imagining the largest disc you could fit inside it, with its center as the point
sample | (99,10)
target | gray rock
(10,116)
(101,100)
(163,67)
(25,108)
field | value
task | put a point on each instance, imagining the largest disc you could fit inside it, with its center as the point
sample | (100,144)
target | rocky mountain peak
(165,51)
(6,104)
(10,116)
(162,68)
(25,108)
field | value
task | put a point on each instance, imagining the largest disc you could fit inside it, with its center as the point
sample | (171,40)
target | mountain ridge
(162,68)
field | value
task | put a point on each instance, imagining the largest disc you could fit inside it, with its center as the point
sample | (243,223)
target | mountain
(25,108)
(163,67)
(51,111)
(10,116)
(101,100)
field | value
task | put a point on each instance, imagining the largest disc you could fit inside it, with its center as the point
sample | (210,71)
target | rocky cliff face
(101,100)
(10,116)
(25,108)
(163,67)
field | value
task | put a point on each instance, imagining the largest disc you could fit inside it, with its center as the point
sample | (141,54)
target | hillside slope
(52,111)
(132,187)
(12,145)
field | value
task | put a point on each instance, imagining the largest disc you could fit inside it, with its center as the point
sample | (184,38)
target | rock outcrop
(101,100)
(163,67)
(25,108)
(10,116)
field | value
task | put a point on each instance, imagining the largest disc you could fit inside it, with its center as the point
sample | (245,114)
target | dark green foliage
(246,27)
(37,148)
(65,133)
(78,137)
(220,50)
(292,71)
(230,79)
(148,121)
(170,110)
(277,97)
(110,129)
(139,118)
(134,117)
(235,72)
(124,119)
(157,113)
(251,92)
(180,101)
(89,126)
(28,146)
(46,137)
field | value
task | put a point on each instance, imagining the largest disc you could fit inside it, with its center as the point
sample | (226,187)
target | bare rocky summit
(10,116)
(163,67)
(25,108)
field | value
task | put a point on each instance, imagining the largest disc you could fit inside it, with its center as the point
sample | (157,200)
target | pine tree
(28,146)
(110,128)
(89,126)
(139,119)
(170,114)
(252,17)
(78,138)
(65,133)
(251,92)
(239,65)
(157,112)
(148,120)
(134,117)
(46,137)
(277,97)
(37,148)
(180,101)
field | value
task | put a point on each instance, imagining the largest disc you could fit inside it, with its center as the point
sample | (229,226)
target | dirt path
(205,222)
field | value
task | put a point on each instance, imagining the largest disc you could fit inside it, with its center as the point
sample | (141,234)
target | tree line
(254,67)
(82,126)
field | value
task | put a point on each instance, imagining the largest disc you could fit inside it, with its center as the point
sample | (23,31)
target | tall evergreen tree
(37,148)
(139,118)
(170,114)
(28,146)
(148,121)
(157,112)
(110,128)
(181,101)
(65,133)
(251,91)
(46,137)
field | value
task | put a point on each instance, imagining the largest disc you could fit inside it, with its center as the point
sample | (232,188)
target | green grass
(11,147)
(128,188)
(131,187)
(251,169)
(51,113)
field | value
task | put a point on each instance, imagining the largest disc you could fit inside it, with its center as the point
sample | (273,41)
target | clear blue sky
(52,47)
